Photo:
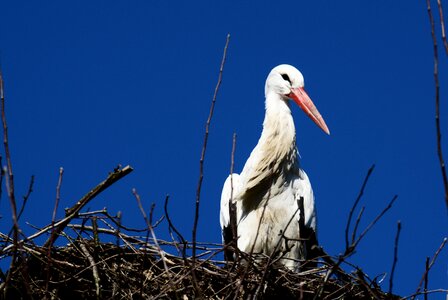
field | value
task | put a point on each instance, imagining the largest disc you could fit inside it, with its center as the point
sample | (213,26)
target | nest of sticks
(105,260)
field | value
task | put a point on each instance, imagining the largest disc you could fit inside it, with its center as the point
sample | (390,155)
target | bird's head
(287,82)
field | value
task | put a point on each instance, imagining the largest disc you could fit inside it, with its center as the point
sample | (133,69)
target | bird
(266,193)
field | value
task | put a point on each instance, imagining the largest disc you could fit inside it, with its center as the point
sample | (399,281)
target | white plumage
(272,179)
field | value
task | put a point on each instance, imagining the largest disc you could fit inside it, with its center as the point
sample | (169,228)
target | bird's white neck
(275,156)
(279,134)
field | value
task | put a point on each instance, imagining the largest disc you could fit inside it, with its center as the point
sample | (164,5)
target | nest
(134,269)
(105,260)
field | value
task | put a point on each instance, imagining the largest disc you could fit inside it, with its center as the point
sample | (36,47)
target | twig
(232,207)
(378,217)
(201,165)
(361,192)
(172,227)
(53,218)
(397,236)
(437,99)
(25,198)
(113,177)
(433,260)
(74,210)
(96,277)
(118,220)
(150,229)
(425,290)
(358,221)
(9,184)
(442,25)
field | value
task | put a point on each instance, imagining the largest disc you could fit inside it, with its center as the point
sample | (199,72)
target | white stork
(272,180)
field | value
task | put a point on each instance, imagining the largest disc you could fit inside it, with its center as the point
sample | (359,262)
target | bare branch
(172,227)
(96,277)
(378,217)
(73,212)
(425,290)
(25,198)
(442,25)
(201,161)
(437,100)
(232,207)
(9,171)
(397,236)
(433,260)
(361,192)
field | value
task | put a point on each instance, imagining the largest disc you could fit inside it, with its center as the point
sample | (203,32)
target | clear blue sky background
(93,84)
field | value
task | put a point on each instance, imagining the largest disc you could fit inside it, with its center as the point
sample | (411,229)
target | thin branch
(437,100)
(397,236)
(53,219)
(378,217)
(442,25)
(425,290)
(73,212)
(94,267)
(358,221)
(172,227)
(201,161)
(9,171)
(433,260)
(232,206)
(361,192)
(150,229)
(25,198)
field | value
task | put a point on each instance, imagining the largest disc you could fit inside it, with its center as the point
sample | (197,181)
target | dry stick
(351,248)
(358,221)
(2,174)
(179,235)
(442,25)
(433,260)
(118,228)
(9,184)
(10,177)
(74,211)
(397,236)
(92,263)
(437,98)
(378,217)
(361,192)
(53,218)
(201,166)
(151,230)
(25,198)
(232,205)
(425,290)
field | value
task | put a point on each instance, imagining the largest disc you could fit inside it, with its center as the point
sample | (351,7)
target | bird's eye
(286,77)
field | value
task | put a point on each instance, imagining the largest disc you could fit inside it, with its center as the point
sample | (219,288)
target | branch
(378,217)
(8,171)
(433,260)
(172,227)
(201,161)
(437,96)
(397,236)
(73,212)
(442,25)
(361,192)
(232,207)
(92,263)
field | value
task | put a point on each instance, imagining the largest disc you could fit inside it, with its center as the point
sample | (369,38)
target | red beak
(303,100)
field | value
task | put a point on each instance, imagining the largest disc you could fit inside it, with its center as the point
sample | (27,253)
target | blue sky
(91,85)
